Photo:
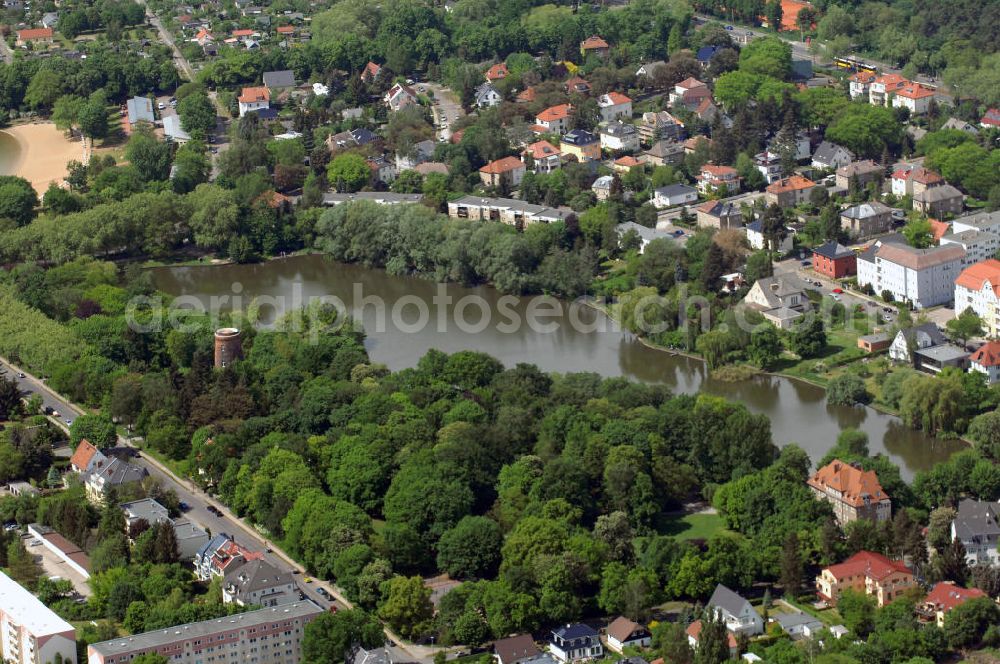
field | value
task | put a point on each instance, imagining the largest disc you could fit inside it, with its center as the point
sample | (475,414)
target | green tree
(66,111)
(93,119)
(407,607)
(18,199)
(45,88)
(197,115)
(331,636)
(150,156)
(764,348)
(791,565)
(966,624)
(808,339)
(348,172)
(191,166)
(471,549)
(918,233)
(713,642)
(846,390)
(967,325)
(97,429)
(858,611)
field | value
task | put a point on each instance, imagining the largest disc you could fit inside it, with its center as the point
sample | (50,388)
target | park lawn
(842,350)
(694,526)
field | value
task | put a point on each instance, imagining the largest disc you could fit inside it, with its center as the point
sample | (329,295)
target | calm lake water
(583,340)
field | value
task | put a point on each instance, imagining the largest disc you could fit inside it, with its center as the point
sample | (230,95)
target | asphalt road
(446,108)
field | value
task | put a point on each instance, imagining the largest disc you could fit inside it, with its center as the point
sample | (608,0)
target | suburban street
(8,55)
(446,109)
(198,501)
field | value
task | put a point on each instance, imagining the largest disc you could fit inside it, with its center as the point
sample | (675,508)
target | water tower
(227,346)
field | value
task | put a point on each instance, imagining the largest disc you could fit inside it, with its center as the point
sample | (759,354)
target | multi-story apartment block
(867,572)
(30,632)
(923,277)
(506,210)
(853,493)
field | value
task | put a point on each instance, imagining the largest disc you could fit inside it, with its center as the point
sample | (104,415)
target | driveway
(445,107)
(56,567)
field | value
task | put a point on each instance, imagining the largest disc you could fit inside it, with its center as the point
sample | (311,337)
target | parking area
(886,313)
(54,566)
(445,107)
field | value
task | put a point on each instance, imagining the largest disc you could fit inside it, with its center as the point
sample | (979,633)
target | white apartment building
(30,632)
(978,245)
(978,288)
(923,277)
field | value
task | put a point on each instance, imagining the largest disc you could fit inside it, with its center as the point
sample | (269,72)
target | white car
(161,105)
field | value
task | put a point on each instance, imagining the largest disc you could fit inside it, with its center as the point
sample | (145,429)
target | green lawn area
(693,526)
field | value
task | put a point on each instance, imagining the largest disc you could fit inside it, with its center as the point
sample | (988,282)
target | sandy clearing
(44,153)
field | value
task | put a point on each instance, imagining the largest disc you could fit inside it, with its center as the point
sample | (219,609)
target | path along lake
(583,340)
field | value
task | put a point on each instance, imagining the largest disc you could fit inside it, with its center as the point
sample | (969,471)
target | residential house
(922,277)
(31,632)
(545,156)
(802,145)
(575,642)
(692,144)
(693,632)
(663,153)
(861,172)
(554,119)
(874,343)
(926,335)
(506,210)
(648,69)
(979,245)
(646,234)
(713,178)
(581,145)
(417,154)
(674,194)
(277,637)
(860,84)
(799,625)
(961,125)
(978,288)
(254,99)
(915,98)
(520,649)
(497,72)
(854,493)
(769,165)
(867,572)
(625,164)
(276,81)
(739,616)
(910,179)
(527,95)
(487,96)
(929,359)
(623,633)
(991,119)
(117,473)
(977,526)
(719,214)
(507,171)
(614,106)
(383,169)
(656,126)
(884,87)
(259,583)
(138,109)
(49,19)
(220,554)
(370,72)
(618,136)
(781,300)
(594,45)
(86,458)
(172,130)
(944,597)
(986,360)
(834,261)
(285,31)
(42,36)
(756,239)
(705,54)
(789,192)
(939,201)
(190,538)
(399,97)
(831,156)
(866,220)
(706,111)
(689,93)
(577,85)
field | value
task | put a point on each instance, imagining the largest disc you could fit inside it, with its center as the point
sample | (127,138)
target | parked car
(323,593)
(214,510)
(184,507)
(21,375)
(838,291)
(806,263)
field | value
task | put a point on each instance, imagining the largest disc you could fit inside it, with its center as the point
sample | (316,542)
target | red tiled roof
(855,486)
(542,150)
(892,81)
(863,77)
(627,161)
(371,69)
(690,83)
(987,355)
(577,83)
(593,43)
(286,29)
(694,631)
(527,95)
(250,95)
(872,565)
(504,165)
(976,276)
(718,171)
(913,91)
(992,117)
(85,451)
(945,596)
(618,98)
(497,71)
(34,33)
(242,33)
(791,183)
(456,136)
(554,113)
(939,229)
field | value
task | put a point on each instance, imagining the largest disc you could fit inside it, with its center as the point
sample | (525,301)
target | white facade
(614,106)
(923,286)
(674,195)
(30,632)
(619,137)
(979,245)
(984,301)
(991,371)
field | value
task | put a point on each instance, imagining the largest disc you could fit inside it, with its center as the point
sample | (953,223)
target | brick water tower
(227,346)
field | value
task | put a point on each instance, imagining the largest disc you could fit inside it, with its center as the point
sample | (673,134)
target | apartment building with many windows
(30,632)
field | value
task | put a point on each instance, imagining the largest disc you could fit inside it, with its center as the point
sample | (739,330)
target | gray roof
(865,210)
(619,128)
(832,249)
(140,109)
(665,148)
(961,125)
(515,649)
(940,193)
(874,338)
(646,233)
(675,190)
(383,197)
(826,152)
(50,19)
(977,518)
(980,220)
(257,575)
(162,637)
(726,599)
(575,631)
(279,79)
(184,530)
(579,137)
(603,182)
(374,656)
(928,330)
(484,90)
(172,128)
(539,211)
(943,353)
(967,237)
(784,313)
(119,472)
(790,620)
(869,253)
(148,509)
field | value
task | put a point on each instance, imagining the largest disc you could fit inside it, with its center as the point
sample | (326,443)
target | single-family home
(581,145)
(526,96)
(706,111)
(382,169)
(646,234)
(867,572)
(285,31)
(190,538)
(602,187)
(799,625)
(674,194)
(932,358)
(860,84)
(259,583)
(922,277)
(254,99)
(554,119)
(739,616)
(942,598)
(990,119)
(648,69)
(979,245)
(977,526)
(594,45)
(515,650)
(577,85)
(939,201)
(854,493)
(789,192)
(618,136)
(757,240)
(86,457)
(399,97)
(487,96)
(370,72)
(866,220)
(769,165)
(862,172)
(417,154)
(719,214)
(497,72)
(831,156)
(624,633)
(663,153)
(781,299)
(625,164)
(884,87)
(689,93)
(986,360)
(506,171)
(917,337)
(705,54)
(910,179)
(713,178)
(545,156)
(117,473)
(49,19)
(834,261)
(276,81)
(138,109)
(961,125)
(656,126)
(614,106)
(575,642)
(172,130)
(916,98)
(221,554)
(33,36)
(693,632)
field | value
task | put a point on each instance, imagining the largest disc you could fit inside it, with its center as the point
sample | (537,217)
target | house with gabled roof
(693,632)
(939,201)
(860,84)
(577,85)
(883,87)
(854,493)
(739,616)
(614,105)
(780,299)
(117,473)
(831,155)
(911,179)
(913,97)
(575,642)
(497,72)
(254,99)
(942,598)
(977,526)
(507,171)
(370,72)
(714,177)
(86,457)
(545,156)
(259,583)
(554,119)
(517,649)
(624,633)
(487,96)
(986,360)
(689,93)
(595,45)
(719,214)
(399,97)
(990,119)
(834,260)
(871,573)
(866,220)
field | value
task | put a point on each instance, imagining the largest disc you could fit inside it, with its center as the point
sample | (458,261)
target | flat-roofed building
(30,632)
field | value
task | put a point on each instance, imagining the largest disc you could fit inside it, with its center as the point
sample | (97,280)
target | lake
(417,315)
